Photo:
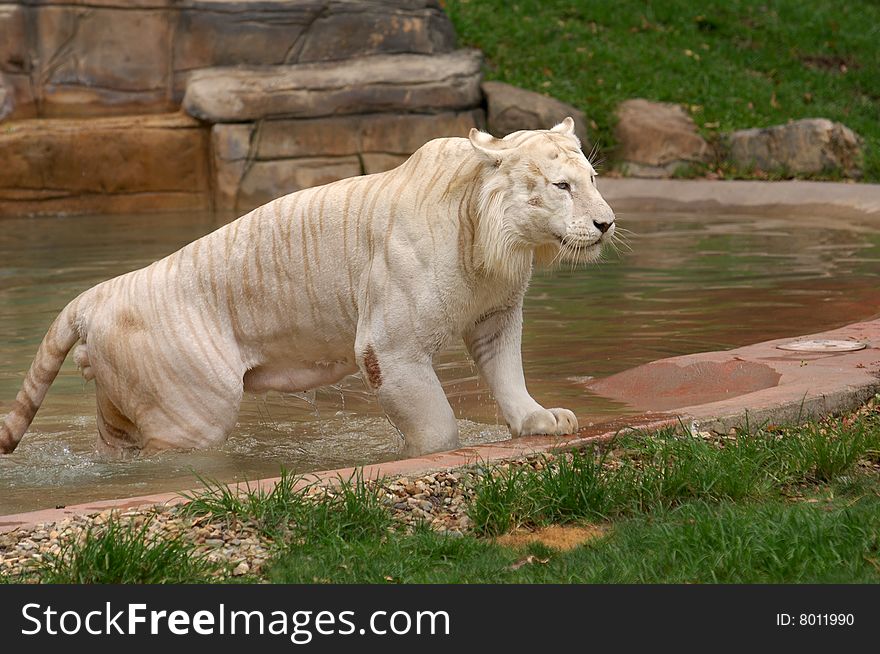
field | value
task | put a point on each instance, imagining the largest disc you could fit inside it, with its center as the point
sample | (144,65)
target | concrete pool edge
(809,386)
(831,199)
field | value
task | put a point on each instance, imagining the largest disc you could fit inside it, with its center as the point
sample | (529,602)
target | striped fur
(372,273)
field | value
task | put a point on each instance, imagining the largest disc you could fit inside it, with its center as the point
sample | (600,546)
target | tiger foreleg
(495,345)
(412,397)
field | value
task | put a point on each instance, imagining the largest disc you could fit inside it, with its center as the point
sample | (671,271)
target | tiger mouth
(578,245)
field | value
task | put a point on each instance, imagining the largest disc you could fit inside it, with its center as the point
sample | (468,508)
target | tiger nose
(603,227)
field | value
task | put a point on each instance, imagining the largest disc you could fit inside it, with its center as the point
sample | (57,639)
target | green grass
(120,553)
(735,64)
(271,510)
(353,508)
(678,509)
(701,542)
(820,453)
(697,542)
(663,470)
(566,489)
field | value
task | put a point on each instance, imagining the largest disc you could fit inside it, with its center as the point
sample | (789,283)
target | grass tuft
(352,509)
(117,553)
(271,510)
(820,452)
(566,488)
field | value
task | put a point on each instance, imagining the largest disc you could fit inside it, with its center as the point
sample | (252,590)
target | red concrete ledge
(755,384)
(771,386)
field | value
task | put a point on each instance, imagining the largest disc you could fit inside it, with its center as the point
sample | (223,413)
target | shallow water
(691,283)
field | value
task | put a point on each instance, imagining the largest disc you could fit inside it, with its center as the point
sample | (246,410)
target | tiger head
(538,200)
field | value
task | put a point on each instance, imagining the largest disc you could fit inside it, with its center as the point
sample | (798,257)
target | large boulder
(656,138)
(510,109)
(405,83)
(808,146)
(105,164)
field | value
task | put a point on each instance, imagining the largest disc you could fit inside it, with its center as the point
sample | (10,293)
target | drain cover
(823,346)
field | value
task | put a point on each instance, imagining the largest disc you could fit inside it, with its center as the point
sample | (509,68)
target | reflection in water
(691,283)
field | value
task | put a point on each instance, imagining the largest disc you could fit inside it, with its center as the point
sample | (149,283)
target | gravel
(439,499)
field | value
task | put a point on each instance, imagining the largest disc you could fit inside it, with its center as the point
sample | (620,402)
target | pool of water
(690,283)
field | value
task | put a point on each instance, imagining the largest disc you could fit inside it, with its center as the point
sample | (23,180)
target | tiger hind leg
(118,437)
(173,423)
(159,395)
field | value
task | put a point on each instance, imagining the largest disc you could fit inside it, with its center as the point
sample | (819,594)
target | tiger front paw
(554,422)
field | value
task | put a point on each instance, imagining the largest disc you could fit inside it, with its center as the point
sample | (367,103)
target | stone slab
(266,180)
(292,148)
(70,165)
(93,56)
(383,83)
(211,34)
(390,133)
(343,34)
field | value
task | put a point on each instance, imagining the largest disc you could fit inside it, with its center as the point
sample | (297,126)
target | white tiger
(374,273)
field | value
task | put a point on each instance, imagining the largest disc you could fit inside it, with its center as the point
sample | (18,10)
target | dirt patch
(557,537)
(831,63)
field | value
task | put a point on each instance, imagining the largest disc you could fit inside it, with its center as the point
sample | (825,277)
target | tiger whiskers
(620,243)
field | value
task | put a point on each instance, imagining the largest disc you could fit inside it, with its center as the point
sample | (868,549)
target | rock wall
(280,95)
(112,57)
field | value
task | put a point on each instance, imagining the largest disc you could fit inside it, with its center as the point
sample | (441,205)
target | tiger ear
(487,146)
(565,127)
